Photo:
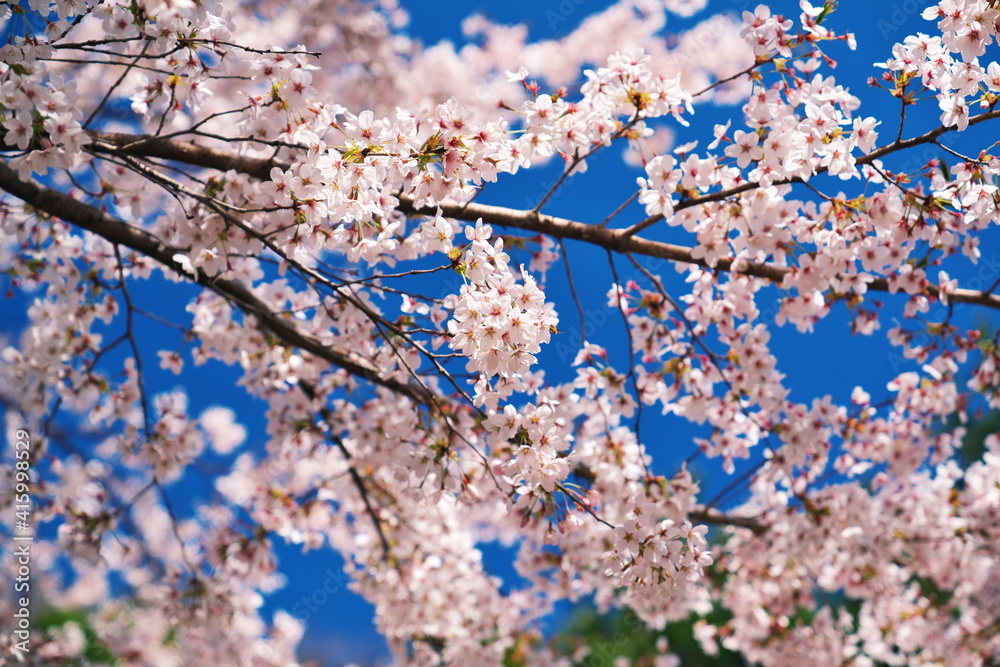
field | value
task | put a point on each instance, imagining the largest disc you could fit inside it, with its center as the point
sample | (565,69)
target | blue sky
(341,629)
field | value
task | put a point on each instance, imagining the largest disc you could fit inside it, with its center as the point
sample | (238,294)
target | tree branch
(144,145)
(619,240)
(716,517)
(115,231)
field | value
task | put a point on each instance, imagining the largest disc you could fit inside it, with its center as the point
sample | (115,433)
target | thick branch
(144,145)
(115,231)
(619,240)
(718,518)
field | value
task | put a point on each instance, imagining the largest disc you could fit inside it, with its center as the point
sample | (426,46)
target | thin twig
(572,289)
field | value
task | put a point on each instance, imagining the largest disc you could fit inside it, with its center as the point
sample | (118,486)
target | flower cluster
(303,176)
(498,323)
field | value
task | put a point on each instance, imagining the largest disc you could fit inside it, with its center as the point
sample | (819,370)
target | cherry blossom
(308,181)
